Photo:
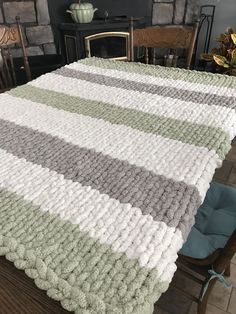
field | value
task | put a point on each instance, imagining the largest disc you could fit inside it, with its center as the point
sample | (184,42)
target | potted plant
(224,56)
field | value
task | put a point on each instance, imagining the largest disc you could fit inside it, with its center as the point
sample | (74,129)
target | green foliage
(224,56)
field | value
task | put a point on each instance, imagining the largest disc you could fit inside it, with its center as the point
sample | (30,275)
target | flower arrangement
(224,56)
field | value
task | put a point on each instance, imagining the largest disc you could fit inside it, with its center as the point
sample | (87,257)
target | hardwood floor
(18,293)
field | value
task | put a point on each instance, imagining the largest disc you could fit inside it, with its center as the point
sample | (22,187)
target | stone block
(24,9)
(1,16)
(38,35)
(34,51)
(49,49)
(16,52)
(162,13)
(179,11)
(192,11)
(31,51)
(42,12)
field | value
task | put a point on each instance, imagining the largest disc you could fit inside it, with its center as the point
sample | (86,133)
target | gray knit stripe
(165,199)
(165,91)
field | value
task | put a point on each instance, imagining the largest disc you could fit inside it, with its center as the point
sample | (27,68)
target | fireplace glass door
(109,45)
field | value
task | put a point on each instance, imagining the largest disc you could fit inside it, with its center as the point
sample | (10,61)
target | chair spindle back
(10,36)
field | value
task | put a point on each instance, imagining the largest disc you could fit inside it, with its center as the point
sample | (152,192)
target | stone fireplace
(41,18)
(35,20)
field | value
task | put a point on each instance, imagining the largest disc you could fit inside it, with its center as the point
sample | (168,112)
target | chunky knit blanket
(103,165)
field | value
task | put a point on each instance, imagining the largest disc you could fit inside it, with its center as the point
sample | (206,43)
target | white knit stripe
(223,117)
(173,159)
(122,226)
(154,80)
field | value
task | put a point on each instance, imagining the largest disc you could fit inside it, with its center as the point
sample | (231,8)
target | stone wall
(35,21)
(38,34)
(167,12)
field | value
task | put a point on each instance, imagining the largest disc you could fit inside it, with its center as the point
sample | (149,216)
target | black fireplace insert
(106,8)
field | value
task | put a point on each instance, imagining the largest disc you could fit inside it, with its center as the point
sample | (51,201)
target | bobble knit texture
(103,165)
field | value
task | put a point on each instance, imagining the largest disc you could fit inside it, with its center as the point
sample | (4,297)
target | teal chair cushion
(215,222)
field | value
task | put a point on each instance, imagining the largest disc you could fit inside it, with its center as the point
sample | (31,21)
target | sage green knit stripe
(160,71)
(184,131)
(74,268)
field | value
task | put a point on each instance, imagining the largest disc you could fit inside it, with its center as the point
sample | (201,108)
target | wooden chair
(219,262)
(90,40)
(10,36)
(177,37)
(206,255)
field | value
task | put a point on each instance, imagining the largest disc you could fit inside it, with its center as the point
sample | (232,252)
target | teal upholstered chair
(212,241)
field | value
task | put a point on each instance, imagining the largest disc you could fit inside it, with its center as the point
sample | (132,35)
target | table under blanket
(103,165)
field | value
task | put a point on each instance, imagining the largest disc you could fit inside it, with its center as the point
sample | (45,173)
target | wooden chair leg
(146,55)
(227,271)
(202,305)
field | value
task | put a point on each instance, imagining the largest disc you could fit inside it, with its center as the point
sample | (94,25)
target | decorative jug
(82,12)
